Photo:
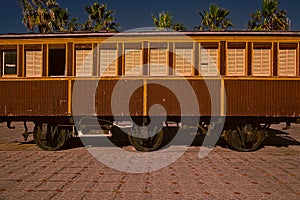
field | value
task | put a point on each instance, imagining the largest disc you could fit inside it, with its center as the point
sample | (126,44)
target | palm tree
(59,16)
(100,18)
(29,15)
(164,21)
(269,18)
(45,15)
(214,20)
(73,25)
(179,27)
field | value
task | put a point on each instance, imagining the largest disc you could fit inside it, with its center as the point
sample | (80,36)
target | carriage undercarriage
(239,134)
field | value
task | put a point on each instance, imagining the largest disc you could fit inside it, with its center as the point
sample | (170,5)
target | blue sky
(137,13)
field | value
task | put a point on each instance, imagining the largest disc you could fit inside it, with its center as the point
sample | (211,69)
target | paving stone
(30,173)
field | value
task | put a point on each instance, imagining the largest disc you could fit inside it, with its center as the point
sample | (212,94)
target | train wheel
(145,143)
(51,139)
(245,138)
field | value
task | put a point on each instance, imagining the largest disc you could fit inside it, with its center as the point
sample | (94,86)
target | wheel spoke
(145,142)
(51,138)
(246,138)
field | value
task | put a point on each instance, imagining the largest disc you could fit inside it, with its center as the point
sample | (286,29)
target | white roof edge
(147,33)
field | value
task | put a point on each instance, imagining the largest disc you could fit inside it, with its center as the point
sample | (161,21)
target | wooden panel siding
(258,98)
(94,97)
(275,59)
(34,98)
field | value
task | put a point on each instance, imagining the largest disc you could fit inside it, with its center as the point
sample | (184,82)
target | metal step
(100,134)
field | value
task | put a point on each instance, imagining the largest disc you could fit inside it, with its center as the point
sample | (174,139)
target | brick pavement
(269,173)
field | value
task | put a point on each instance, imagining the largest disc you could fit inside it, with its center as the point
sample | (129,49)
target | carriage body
(240,77)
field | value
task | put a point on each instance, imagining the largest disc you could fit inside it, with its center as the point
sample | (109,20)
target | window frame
(133,47)
(191,64)
(209,46)
(108,47)
(287,47)
(7,48)
(83,47)
(236,46)
(33,48)
(159,46)
(262,46)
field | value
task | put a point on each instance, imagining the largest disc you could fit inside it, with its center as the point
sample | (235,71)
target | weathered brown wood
(183,45)
(133,45)
(262,45)
(171,58)
(249,60)
(20,65)
(158,45)
(210,45)
(120,59)
(33,47)
(275,59)
(288,45)
(223,52)
(145,58)
(45,64)
(262,98)
(34,98)
(197,57)
(8,47)
(70,60)
(236,45)
(108,46)
(95,59)
(83,46)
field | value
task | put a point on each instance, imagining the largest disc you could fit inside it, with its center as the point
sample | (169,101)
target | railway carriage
(247,80)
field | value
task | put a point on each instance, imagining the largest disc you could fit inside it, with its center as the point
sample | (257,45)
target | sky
(132,14)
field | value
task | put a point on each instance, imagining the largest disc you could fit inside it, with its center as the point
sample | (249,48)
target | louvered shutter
(287,62)
(108,61)
(261,62)
(33,63)
(133,62)
(235,62)
(183,62)
(208,62)
(84,63)
(158,62)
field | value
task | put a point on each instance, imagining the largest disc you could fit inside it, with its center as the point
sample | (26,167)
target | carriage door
(57,60)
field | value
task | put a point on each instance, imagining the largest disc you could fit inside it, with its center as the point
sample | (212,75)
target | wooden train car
(249,80)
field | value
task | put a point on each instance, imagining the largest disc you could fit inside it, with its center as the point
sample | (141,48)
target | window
(261,59)
(84,62)
(287,63)
(83,59)
(57,60)
(261,62)
(209,59)
(236,56)
(184,59)
(133,59)
(9,58)
(158,59)
(33,63)
(108,59)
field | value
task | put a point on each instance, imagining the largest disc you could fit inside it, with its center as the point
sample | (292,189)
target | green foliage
(42,15)
(46,16)
(164,21)
(215,19)
(100,18)
(179,27)
(269,18)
